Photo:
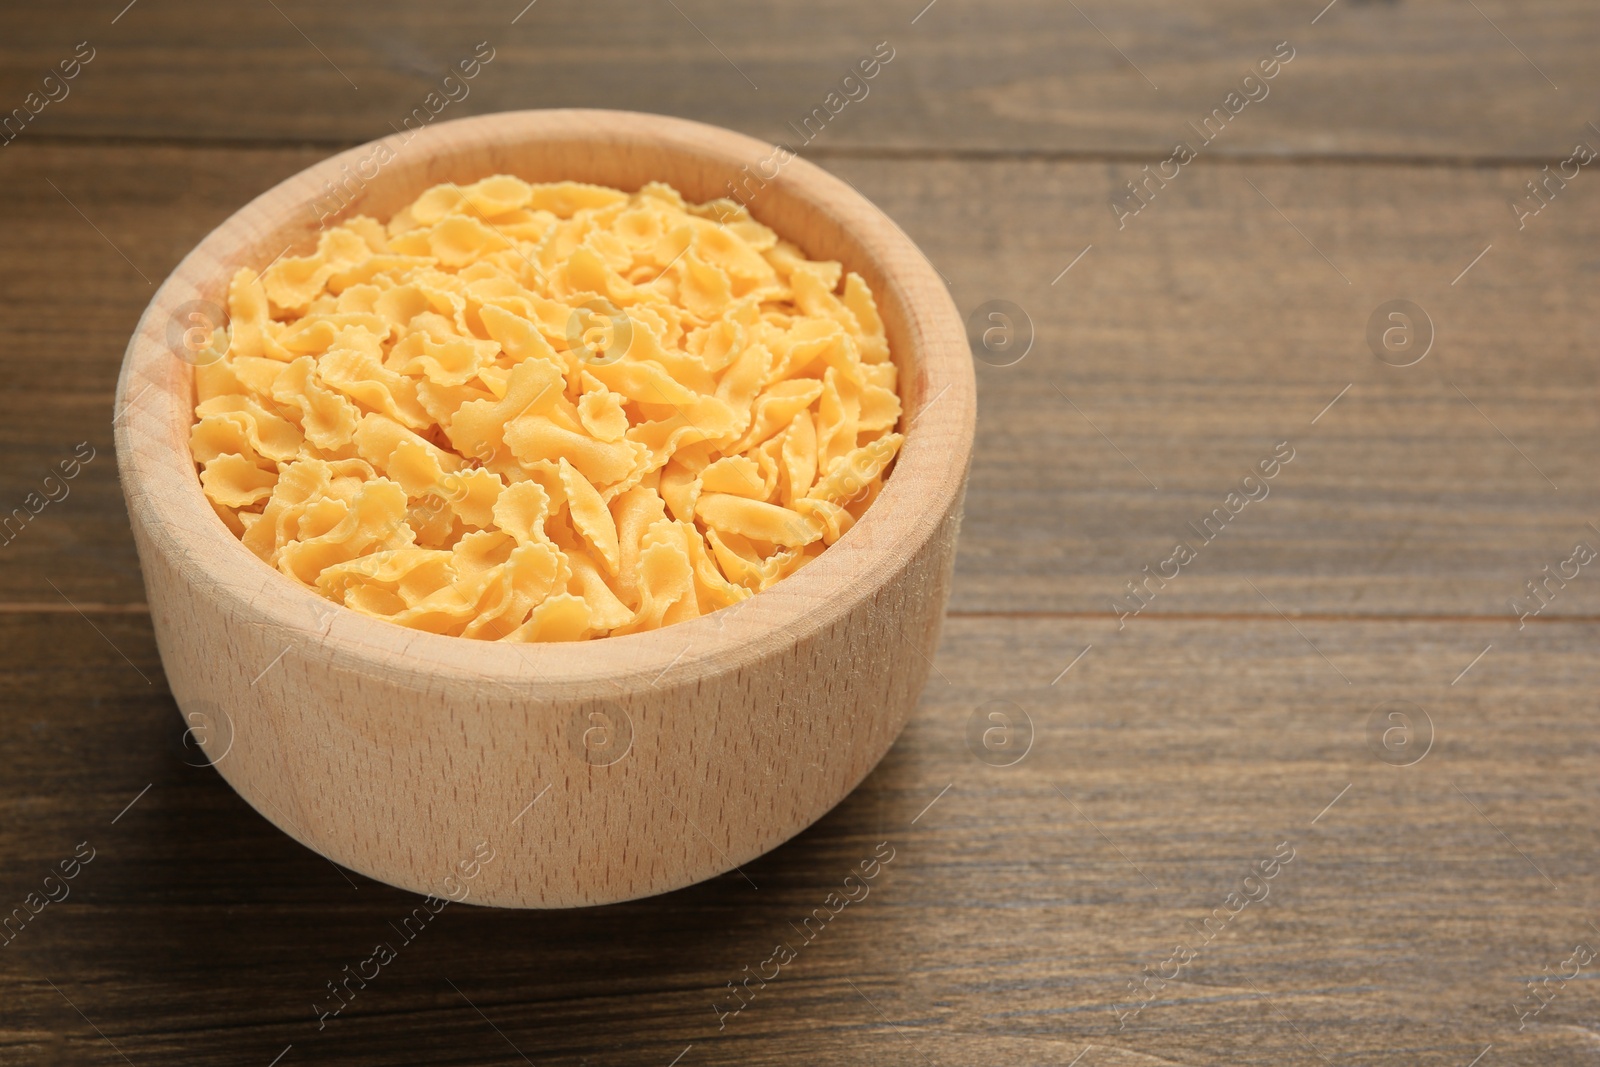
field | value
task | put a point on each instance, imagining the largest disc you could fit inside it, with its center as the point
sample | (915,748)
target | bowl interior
(822,215)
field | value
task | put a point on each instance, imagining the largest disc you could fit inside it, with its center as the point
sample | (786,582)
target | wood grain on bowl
(677,754)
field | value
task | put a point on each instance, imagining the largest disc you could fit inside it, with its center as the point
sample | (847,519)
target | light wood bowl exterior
(658,759)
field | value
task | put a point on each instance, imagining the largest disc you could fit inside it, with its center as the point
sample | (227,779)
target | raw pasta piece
(235,482)
(589,516)
(606,612)
(535,438)
(834,519)
(776,408)
(234,423)
(756,520)
(560,617)
(478,427)
(293,282)
(374,521)
(360,375)
(739,475)
(566,199)
(601,412)
(852,473)
(328,419)
(799,457)
(870,339)
(665,578)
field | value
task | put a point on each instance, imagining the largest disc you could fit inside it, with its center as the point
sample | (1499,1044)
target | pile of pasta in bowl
(545,412)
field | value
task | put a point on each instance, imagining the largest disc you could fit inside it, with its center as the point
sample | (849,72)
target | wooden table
(1102,900)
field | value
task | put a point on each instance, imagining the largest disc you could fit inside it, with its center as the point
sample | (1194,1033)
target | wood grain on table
(1242,709)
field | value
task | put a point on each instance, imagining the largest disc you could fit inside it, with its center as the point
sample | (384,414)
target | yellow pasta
(545,412)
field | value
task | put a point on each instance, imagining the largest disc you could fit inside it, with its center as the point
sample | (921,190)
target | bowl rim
(153,412)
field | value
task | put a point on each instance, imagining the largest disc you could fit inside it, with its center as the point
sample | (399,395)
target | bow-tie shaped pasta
(546,412)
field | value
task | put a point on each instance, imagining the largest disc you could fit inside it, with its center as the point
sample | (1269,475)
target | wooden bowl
(591,772)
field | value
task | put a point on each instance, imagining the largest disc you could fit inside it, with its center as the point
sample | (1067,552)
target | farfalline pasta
(545,412)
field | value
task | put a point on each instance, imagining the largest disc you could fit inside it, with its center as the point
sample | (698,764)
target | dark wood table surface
(1340,676)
